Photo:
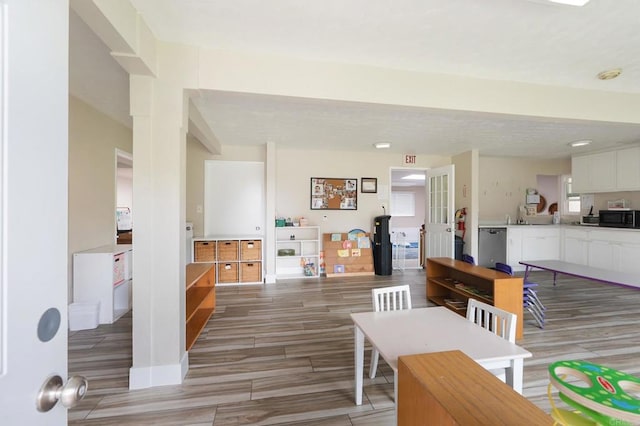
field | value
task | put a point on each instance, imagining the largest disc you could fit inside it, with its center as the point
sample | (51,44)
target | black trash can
(459,246)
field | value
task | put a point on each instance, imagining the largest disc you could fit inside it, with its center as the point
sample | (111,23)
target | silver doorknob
(53,391)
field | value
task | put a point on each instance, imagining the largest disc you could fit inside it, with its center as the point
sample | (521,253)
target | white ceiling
(510,40)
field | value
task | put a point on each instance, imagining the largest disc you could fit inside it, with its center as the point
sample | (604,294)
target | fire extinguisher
(461,216)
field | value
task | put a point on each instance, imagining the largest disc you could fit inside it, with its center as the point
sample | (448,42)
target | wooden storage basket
(251,272)
(204,251)
(227,250)
(251,250)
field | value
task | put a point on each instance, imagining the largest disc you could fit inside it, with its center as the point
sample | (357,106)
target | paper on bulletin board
(364,242)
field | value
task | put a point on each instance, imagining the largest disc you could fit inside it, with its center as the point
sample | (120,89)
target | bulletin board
(334,193)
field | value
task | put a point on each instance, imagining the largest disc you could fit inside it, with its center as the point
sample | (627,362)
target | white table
(582,271)
(424,330)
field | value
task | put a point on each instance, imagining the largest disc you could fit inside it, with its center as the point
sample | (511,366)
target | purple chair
(469,259)
(530,299)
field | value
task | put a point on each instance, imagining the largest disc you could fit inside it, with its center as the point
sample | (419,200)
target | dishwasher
(492,246)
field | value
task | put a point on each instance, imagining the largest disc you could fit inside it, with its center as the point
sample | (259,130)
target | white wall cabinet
(594,172)
(606,171)
(627,169)
(297,252)
(580,175)
(104,275)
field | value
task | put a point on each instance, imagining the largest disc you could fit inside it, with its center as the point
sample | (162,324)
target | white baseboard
(160,375)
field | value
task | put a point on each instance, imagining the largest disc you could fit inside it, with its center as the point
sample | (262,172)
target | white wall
(93,139)
(547,187)
(294,169)
(196,156)
(503,182)
(600,200)
(124,188)
(297,167)
(467,184)
(410,225)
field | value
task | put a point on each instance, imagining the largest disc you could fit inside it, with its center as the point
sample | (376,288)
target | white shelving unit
(306,250)
(104,275)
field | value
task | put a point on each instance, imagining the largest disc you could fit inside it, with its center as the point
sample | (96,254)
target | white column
(270,213)
(159,146)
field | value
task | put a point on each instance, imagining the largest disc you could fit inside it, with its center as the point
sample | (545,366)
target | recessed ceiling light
(382,145)
(583,142)
(571,2)
(414,177)
(609,74)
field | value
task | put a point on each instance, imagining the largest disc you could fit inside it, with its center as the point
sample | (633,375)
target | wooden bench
(449,388)
(582,271)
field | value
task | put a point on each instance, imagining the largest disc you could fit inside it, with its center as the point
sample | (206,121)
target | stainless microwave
(620,218)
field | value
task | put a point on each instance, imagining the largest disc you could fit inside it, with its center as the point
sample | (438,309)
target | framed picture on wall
(334,193)
(369,185)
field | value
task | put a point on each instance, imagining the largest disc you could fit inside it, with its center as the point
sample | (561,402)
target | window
(403,204)
(571,203)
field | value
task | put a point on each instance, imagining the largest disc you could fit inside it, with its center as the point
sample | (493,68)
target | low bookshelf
(451,283)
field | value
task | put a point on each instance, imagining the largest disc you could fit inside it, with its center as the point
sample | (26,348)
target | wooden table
(446,388)
(582,271)
(426,330)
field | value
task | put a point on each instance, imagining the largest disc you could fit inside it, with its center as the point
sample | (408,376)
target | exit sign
(409,159)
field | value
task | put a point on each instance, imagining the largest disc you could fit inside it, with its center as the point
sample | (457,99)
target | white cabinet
(532,242)
(628,256)
(104,275)
(628,169)
(541,242)
(575,247)
(617,250)
(580,176)
(602,254)
(514,248)
(594,172)
(297,252)
(606,171)
(611,249)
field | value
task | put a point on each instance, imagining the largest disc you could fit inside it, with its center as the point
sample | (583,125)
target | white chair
(394,298)
(497,321)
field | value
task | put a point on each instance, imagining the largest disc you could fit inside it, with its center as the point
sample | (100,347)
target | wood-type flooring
(282,354)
